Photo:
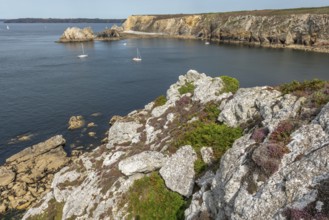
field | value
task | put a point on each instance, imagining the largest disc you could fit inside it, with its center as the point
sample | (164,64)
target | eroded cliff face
(279,30)
(277,168)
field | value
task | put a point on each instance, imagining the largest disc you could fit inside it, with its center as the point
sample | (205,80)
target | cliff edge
(300,29)
(206,150)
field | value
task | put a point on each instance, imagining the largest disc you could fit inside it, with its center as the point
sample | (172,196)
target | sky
(124,8)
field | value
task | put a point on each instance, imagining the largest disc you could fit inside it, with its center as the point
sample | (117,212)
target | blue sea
(43,83)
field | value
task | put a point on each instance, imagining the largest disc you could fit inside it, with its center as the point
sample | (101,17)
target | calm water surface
(43,83)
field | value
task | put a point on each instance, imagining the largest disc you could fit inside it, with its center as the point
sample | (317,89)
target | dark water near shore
(43,83)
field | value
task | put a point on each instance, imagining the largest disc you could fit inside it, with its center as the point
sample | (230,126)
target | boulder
(178,171)
(144,162)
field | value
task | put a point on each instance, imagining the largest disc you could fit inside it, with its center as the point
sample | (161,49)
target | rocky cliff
(207,150)
(297,29)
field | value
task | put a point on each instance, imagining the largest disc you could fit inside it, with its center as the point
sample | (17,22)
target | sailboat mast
(83,51)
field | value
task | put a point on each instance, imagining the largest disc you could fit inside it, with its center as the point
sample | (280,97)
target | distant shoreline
(63,20)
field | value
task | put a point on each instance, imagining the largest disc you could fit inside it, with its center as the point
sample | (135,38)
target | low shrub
(160,101)
(187,88)
(200,134)
(302,88)
(230,84)
(260,134)
(283,131)
(209,113)
(148,198)
(315,91)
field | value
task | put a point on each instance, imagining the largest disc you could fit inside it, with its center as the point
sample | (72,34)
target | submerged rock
(76,122)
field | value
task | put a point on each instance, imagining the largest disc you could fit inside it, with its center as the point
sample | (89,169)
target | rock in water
(76,122)
(75,34)
(178,172)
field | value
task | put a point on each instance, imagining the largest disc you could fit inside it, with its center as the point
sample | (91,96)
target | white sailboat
(83,55)
(8,27)
(138,58)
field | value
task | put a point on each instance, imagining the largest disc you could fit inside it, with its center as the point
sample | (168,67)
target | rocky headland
(206,150)
(305,29)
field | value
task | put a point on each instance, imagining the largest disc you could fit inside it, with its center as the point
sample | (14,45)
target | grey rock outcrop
(123,133)
(27,175)
(142,163)
(178,172)
(75,34)
(259,103)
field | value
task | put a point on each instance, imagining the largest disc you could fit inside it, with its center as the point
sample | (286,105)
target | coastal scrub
(218,136)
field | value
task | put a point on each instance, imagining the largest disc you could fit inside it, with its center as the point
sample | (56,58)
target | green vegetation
(149,198)
(161,100)
(54,211)
(320,10)
(231,84)
(187,88)
(199,134)
(209,113)
(315,91)
(302,88)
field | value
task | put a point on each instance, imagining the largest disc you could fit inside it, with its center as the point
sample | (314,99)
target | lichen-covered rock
(237,182)
(207,155)
(144,162)
(75,34)
(259,102)
(123,133)
(178,171)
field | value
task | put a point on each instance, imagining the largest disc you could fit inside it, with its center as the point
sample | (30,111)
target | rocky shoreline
(204,150)
(302,31)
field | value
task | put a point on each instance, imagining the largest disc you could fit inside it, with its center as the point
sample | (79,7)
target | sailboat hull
(83,56)
(137,59)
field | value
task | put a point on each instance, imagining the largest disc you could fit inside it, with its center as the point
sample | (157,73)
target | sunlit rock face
(75,34)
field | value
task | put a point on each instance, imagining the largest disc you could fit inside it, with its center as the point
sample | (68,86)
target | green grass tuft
(187,88)
(160,101)
(231,84)
(149,198)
